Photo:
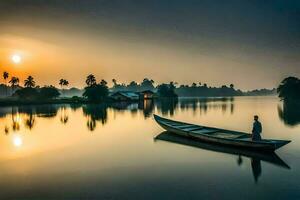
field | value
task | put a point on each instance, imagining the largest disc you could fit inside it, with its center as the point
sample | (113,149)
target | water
(110,152)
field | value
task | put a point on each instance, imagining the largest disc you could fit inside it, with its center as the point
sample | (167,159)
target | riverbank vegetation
(289,92)
(94,92)
(289,89)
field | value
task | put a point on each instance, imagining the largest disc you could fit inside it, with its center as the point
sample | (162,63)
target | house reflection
(147,106)
(255,157)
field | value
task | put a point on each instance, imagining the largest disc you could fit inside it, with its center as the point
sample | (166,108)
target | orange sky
(55,43)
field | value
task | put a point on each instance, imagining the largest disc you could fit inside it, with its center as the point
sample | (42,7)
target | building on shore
(125,96)
(132,96)
(147,94)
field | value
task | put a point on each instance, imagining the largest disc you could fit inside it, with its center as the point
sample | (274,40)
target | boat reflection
(256,157)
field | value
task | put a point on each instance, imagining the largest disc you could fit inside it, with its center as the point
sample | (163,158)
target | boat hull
(263,145)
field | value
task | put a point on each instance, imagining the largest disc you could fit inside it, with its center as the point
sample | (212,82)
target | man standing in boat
(257,129)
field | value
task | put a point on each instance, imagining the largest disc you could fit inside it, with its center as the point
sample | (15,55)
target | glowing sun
(16,58)
(17,141)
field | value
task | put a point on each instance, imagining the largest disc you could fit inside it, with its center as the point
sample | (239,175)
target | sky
(250,43)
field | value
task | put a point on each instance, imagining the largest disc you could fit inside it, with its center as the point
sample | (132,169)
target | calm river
(117,152)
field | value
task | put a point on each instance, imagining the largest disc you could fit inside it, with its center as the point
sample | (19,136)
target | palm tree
(29,82)
(5,77)
(14,81)
(114,81)
(90,80)
(62,83)
(103,82)
(66,83)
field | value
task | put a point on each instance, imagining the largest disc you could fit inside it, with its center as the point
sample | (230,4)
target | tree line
(99,91)
(94,91)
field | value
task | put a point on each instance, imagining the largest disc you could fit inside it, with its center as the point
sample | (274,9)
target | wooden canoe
(219,136)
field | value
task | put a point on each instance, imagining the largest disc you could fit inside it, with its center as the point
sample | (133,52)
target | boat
(270,157)
(219,136)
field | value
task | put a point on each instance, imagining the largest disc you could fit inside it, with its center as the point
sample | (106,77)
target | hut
(147,94)
(125,96)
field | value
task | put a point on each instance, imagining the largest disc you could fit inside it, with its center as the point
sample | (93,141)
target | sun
(17,141)
(16,58)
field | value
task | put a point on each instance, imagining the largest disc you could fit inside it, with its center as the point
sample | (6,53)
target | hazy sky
(250,43)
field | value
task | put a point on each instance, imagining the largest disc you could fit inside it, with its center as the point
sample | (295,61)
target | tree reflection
(47,111)
(91,124)
(167,106)
(27,115)
(29,122)
(6,130)
(64,117)
(94,113)
(75,106)
(289,113)
(15,117)
(189,103)
(205,104)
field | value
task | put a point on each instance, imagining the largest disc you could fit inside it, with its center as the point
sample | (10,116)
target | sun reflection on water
(17,141)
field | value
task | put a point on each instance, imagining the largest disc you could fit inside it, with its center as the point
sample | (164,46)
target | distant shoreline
(17,102)
(13,102)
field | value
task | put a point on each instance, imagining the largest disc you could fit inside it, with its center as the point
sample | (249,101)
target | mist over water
(117,151)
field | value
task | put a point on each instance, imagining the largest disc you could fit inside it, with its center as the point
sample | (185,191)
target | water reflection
(54,144)
(98,112)
(289,113)
(167,106)
(17,141)
(29,121)
(27,115)
(147,106)
(256,157)
(256,168)
(94,113)
(64,117)
(206,104)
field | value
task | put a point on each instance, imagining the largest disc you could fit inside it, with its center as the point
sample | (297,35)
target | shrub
(289,89)
(166,90)
(49,92)
(27,93)
(96,93)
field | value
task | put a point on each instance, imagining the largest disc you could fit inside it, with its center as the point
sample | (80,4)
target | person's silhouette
(257,129)
(256,168)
